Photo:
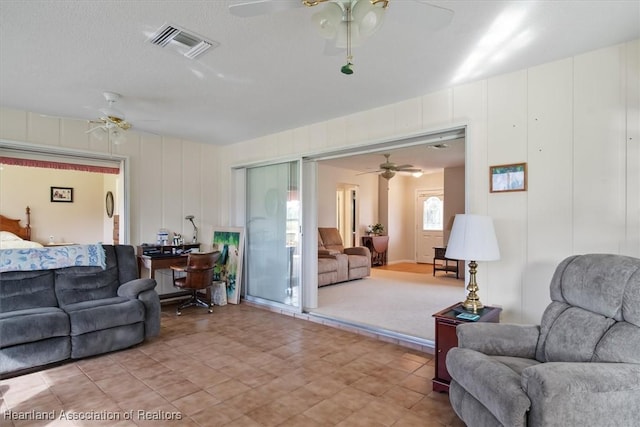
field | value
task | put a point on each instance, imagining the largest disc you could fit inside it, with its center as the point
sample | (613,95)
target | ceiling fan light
(368,16)
(328,20)
(117,136)
(417,174)
(388,174)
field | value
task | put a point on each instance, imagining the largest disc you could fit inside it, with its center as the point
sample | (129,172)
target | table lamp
(473,238)
(195,229)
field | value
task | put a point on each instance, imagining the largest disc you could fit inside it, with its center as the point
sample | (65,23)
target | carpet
(396,301)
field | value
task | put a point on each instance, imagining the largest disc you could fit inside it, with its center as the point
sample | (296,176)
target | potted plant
(377,229)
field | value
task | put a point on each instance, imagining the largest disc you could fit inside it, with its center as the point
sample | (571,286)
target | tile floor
(240,366)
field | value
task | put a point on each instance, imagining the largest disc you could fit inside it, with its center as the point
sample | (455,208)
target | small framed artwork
(504,178)
(62,194)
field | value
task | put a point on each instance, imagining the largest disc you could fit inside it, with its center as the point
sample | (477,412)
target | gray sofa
(49,316)
(579,367)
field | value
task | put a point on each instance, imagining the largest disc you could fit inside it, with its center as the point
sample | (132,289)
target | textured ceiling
(269,72)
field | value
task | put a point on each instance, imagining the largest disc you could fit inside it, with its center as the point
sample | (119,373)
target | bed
(15,236)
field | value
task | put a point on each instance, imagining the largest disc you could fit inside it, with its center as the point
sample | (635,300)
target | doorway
(347,213)
(440,151)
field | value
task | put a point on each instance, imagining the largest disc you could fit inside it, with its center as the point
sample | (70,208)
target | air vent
(181,41)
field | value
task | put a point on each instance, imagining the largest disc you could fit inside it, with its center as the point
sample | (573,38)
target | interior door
(429,223)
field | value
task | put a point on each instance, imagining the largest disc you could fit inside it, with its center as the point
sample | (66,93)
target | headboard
(13,226)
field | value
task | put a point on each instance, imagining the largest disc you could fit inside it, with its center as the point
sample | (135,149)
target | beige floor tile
(243,366)
(328,413)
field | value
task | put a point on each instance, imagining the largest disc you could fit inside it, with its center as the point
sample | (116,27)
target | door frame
(417,221)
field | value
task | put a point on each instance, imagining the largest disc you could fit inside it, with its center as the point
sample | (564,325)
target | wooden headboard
(13,226)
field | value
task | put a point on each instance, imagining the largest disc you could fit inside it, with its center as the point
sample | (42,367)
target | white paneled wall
(507,143)
(599,136)
(574,121)
(549,233)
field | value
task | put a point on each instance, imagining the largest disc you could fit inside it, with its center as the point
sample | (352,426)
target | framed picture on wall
(505,178)
(230,242)
(62,194)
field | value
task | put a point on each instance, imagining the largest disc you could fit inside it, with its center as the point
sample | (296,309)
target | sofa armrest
(499,339)
(358,250)
(326,253)
(144,290)
(567,393)
(135,287)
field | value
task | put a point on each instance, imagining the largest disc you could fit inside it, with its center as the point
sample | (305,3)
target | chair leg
(194,301)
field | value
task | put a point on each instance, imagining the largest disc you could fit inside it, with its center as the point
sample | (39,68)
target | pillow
(6,236)
(19,244)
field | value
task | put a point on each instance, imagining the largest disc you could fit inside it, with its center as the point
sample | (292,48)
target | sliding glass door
(273,233)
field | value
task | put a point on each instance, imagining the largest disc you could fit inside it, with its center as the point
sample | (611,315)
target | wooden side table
(378,247)
(446,338)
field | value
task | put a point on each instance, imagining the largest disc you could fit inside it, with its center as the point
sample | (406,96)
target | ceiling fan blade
(399,167)
(412,170)
(365,173)
(249,8)
(95,129)
(435,17)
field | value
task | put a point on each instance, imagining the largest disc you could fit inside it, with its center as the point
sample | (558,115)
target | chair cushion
(602,283)
(619,344)
(562,343)
(34,324)
(22,290)
(326,265)
(331,238)
(90,316)
(356,261)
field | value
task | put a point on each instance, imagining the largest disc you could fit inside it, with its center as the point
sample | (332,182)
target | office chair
(198,275)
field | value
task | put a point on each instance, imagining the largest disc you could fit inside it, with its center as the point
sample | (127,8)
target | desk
(153,263)
(156,257)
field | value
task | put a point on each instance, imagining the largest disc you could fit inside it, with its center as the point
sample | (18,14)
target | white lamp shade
(473,238)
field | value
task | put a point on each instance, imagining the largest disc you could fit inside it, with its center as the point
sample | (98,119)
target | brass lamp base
(472,303)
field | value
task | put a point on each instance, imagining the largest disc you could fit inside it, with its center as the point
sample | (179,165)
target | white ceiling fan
(388,168)
(112,121)
(343,23)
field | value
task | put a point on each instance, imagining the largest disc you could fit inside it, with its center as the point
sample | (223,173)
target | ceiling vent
(183,42)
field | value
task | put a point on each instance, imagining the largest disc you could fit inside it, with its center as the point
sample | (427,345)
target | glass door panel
(273,233)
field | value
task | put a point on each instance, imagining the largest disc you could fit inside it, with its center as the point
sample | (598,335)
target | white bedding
(11,241)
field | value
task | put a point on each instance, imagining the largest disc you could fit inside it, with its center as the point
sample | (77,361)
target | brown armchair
(337,263)
(198,276)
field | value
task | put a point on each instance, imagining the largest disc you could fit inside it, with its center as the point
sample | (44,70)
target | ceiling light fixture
(388,174)
(348,23)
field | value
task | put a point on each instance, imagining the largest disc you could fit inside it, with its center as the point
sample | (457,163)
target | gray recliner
(579,367)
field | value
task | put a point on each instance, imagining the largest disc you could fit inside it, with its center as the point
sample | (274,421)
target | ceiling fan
(112,121)
(388,169)
(343,23)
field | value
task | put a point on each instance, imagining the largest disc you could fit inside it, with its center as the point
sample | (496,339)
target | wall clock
(109,204)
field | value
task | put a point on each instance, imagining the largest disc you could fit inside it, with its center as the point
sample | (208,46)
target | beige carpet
(396,301)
